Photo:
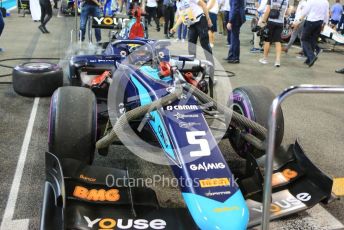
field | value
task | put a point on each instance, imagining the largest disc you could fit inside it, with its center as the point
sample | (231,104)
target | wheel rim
(38,65)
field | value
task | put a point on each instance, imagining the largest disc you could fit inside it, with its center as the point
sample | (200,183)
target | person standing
(297,32)
(261,6)
(194,14)
(151,9)
(226,8)
(235,20)
(46,14)
(336,13)
(168,16)
(89,8)
(275,23)
(213,9)
(317,13)
(35,10)
(182,31)
(220,17)
(341,23)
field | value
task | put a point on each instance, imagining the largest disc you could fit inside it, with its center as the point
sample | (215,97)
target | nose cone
(210,214)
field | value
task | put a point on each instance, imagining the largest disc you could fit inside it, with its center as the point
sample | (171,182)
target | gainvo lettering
(277,206)
(181,107)
(111,195)
(207,166)
(183,116)
(109,223)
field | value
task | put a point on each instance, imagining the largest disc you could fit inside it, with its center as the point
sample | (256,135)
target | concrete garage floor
(316,119)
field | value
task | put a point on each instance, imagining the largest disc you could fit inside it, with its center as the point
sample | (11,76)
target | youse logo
(109,223)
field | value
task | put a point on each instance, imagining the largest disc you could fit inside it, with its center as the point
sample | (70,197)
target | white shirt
(215,8)
(152,3)
(316,10)
(189,11)
(262,7)
(226,6)
(299,9)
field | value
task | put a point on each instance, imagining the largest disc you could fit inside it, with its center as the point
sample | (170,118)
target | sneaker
(41,29)
(183,40)
(300,56)
(317,52)
(263,61)
(277,64)
(285,49)
(177,40)
(211,45)
(255,50)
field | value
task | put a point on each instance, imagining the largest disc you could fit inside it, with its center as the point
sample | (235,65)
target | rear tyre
(73,123)
(254,103)
(37,79)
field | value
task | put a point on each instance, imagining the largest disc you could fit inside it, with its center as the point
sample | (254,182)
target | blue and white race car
(162,99)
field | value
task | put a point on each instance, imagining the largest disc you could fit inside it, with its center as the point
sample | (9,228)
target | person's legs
(256,41)
(192,39)
(179,31)
(43,12)
(149,14)
(95,12)
(154,15)
(49,12)
(292,39)
(185,31)
(235,43)
(266,49)
(167,19)
(278,48)
(171,21)
(220,22)
(340,24)
(307,41)
(316,35)
(202,30)
(83,20)
(211,37)
(2,25)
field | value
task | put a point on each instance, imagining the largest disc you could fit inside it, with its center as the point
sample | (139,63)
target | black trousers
(46,11)
(200,30)
(310,34)
(151,11)
(169,18)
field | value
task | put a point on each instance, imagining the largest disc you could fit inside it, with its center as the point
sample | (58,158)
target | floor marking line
(338,186)
(7,222)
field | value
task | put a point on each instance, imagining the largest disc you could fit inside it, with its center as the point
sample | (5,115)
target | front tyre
(254,103)
(73,123)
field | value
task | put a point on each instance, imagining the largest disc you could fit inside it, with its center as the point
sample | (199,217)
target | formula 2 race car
(158,98)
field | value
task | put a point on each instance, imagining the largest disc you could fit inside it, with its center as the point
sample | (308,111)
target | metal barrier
(270,151)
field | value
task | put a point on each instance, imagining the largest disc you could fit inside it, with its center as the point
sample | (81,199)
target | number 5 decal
(203,143)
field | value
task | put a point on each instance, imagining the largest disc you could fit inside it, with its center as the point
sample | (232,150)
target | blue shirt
(336,11)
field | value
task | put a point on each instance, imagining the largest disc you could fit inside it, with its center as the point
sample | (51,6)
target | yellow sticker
(215,182)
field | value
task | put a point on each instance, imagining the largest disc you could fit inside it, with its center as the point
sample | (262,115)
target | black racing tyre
(254,103)
(37,79)
(73,123)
